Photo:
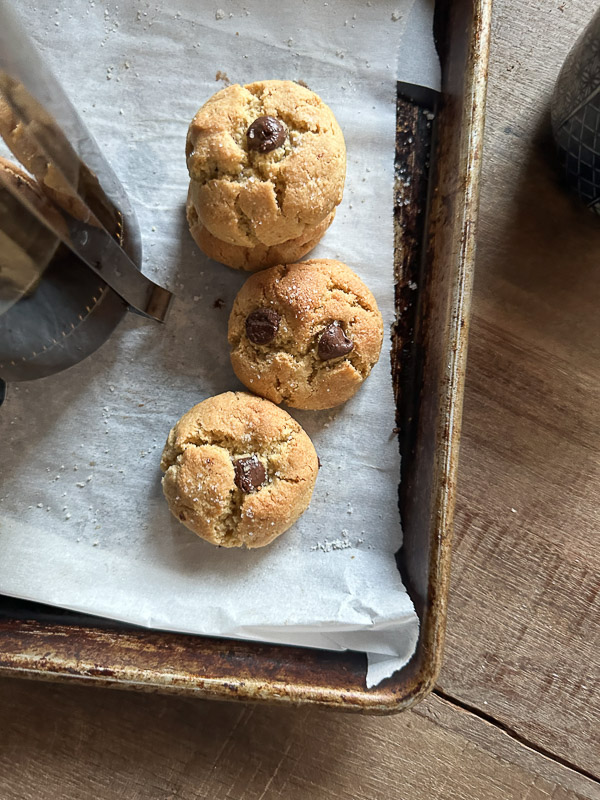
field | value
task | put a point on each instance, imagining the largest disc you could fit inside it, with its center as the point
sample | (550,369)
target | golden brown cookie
(251,259)
(238,470)
(305,334)
(27,251)
(23,146)
(267,163)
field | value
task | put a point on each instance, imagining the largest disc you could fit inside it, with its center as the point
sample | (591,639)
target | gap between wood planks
(522,740)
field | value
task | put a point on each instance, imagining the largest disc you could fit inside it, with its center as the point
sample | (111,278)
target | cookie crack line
(291,122)
(300,129)
(282,391)
(352,299)
(279,189)
(293,480)
(319,367)
(232,516)
(245,222)
(229,445)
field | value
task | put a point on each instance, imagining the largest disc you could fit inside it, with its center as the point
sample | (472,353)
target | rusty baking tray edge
(243,670)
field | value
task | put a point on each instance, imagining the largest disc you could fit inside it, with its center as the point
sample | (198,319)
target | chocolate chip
(249,474)
(334,343)
(262,325)
(266,134)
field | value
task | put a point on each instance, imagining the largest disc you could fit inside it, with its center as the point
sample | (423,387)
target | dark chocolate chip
(334,343)
(262,325)
(218,303)
(266,134)
(249,474)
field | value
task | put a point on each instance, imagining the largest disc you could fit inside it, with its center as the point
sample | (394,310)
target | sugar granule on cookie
(305,334)
(239,471)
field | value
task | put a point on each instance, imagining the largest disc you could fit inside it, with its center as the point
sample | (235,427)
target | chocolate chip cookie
(238,470)
(25,249)
(267,163)
(305,334)
(252,259)
(23,146)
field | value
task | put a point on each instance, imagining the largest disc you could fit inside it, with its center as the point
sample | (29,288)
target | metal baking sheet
(434,253)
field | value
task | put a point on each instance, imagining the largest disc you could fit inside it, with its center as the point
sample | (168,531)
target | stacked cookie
(267,165)
(267,168)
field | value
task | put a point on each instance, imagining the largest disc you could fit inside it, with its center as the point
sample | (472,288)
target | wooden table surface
(516,713)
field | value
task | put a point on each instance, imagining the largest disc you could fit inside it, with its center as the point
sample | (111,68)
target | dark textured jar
(576,116)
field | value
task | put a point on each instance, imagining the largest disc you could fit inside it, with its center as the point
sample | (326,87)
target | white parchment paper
(83,521)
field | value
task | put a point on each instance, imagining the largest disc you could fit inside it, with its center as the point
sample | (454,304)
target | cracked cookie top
(267,161)
(238,470)
(305,334)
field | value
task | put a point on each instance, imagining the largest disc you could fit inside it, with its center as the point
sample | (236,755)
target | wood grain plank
(76,743)
(523,639)
(523,629)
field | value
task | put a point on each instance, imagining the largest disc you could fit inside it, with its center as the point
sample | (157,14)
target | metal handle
(91,217)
